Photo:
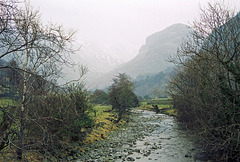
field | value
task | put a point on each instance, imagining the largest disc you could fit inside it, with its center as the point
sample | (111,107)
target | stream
(148,137)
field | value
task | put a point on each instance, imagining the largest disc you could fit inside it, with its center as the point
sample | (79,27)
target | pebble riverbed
(147,137)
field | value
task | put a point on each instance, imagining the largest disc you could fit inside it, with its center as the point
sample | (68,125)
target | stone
(119,156)
(147,153)
(130,159)
(137,150)
(146,143)
(188,156)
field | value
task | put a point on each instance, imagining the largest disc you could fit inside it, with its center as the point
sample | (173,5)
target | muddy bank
(148,137)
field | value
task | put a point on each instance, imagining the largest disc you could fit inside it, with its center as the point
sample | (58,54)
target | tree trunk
(20,145)
(22,116)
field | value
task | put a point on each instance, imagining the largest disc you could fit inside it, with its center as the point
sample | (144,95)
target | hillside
(153,85)
(3,71)
(102,57)
(99,58)
(153,56)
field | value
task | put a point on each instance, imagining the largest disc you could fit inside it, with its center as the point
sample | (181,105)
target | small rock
(130,159)
(188,156)
(138,157)
(137,150)
(146,143)
(154,147)
(118,156)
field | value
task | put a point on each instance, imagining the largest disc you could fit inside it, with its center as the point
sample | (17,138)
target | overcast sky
(120,21)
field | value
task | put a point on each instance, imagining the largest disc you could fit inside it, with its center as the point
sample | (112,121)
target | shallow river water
(148,137)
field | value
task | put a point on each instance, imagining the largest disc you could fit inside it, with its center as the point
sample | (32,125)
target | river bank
(147,137)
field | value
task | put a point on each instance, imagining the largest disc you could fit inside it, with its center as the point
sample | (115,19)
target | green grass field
(4,102)
(163,103)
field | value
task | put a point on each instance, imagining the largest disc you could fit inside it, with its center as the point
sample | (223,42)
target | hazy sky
(118,21)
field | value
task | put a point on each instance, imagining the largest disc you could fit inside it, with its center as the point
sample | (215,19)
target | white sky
(120,21)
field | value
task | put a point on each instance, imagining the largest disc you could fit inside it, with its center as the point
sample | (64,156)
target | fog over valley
(111,33)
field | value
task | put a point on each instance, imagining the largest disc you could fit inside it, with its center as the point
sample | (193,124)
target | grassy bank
(164,105)
(104,123)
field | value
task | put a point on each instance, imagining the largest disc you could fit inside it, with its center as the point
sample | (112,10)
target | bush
(121,95)
(60,117)
(206,88)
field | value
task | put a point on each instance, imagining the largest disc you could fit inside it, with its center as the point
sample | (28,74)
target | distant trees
(100,97)
(121,94)
(152,85)
(206,88)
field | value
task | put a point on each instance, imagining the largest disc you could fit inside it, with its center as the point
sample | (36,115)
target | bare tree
(8,36)
(205,90)
(39,52)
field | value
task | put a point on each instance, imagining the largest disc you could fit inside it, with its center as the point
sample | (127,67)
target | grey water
(148,137)
(168,142)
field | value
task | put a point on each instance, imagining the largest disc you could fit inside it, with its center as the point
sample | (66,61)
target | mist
(120,22)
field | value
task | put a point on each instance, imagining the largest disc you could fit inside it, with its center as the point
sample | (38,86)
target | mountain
(99,58)
(153,85)
(152,57)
